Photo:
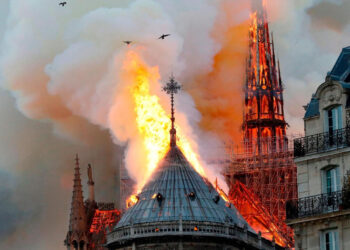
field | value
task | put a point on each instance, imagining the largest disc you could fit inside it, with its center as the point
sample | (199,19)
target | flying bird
(163,36)
(63,4)
(127,42)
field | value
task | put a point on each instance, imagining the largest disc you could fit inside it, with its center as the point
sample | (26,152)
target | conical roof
(177,204)
(177,192)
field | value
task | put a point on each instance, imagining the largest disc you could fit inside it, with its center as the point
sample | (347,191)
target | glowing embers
(221,191)
(104,219)
(132,200)
(254,212)
(265,109)
(251,108)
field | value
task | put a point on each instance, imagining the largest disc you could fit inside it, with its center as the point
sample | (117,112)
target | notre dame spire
(263,122)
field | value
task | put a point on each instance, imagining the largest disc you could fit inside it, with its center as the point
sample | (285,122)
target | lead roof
(175,179)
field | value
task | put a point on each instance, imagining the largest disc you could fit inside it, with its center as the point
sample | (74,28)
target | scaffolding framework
(271,179)
(260,171)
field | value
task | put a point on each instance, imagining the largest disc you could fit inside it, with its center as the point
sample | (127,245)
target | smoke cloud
(331,15)
(63,67)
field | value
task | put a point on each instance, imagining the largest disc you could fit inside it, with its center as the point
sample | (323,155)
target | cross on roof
(172,87)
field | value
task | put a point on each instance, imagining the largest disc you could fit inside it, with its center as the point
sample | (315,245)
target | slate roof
(312,109)
(341,69)
(176,181)
(340,73)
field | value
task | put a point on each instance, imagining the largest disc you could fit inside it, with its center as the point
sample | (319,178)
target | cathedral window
(265,108)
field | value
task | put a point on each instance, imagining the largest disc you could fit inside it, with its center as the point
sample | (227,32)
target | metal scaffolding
(270,178)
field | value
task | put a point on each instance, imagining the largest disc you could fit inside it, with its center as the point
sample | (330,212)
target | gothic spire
(171,88)
(263,112)
(77,233)
(77,215)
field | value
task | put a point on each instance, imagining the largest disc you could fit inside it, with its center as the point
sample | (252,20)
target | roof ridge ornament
(172,87)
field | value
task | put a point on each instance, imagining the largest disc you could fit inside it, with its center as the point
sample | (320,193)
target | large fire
(152,120)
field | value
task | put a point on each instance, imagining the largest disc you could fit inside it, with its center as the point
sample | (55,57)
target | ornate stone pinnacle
(171,88)
(76,160)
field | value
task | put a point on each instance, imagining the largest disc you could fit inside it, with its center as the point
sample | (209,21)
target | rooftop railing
(322,142)
(317,205)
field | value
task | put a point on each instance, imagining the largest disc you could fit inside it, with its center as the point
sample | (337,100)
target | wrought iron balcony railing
(322,142)
(317,205)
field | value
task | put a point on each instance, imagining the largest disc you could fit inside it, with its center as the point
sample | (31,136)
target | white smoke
(63,67)
(306,51)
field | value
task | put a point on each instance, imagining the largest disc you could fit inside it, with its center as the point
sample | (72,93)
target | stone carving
(348,118)
(330,96)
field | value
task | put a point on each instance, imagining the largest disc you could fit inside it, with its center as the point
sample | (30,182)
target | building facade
(321,215)
(88,220)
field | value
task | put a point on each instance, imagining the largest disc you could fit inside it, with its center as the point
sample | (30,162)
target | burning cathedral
(180,209)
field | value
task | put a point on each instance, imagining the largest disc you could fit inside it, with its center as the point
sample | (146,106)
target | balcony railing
(317,205)
(322,142)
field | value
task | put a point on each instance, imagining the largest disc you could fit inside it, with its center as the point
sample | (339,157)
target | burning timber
(262,165)
(179,209)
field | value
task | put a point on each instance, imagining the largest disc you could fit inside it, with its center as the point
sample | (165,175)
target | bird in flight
(163,36)
(127,42)
(63,4)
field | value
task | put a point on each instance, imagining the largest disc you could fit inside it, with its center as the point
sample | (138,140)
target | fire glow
(153,123)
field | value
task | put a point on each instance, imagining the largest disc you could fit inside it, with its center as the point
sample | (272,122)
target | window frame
(335,239)
(336,176)
(336,118)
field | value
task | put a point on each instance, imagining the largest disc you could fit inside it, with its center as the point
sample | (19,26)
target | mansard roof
(312,108)
(341,69)
(339,75)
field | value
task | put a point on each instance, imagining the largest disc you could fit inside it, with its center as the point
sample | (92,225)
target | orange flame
(132,200)
(153,123)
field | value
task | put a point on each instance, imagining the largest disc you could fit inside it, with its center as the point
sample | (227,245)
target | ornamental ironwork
(316,205)
(322,142)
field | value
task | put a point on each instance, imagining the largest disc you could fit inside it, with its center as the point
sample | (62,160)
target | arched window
(254,107)
(265,107)
(265,140)
(75,244)
(275,106)
(81,245)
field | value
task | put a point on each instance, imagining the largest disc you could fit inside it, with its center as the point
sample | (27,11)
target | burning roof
(176,191)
